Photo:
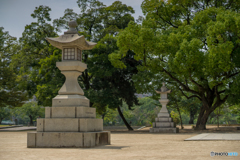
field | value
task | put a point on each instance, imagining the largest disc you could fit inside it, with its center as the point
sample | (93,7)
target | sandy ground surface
(139,145)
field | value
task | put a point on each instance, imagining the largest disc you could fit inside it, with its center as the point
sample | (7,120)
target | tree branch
(168,22)
(188,20)
(190,96)
(220,92)
(186,88)
(233,75)
(194,82)
(219,102)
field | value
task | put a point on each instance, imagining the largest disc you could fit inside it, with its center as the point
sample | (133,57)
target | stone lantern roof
(71,38)
(163,89)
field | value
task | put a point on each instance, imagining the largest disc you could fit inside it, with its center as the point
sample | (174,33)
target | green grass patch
(4,125)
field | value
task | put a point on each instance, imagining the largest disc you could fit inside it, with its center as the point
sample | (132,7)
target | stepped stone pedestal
(70,122)
(163,123)
(68,127)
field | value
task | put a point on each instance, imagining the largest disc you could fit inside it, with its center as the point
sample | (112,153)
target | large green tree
(111,86)
(192,44)
(235,109)
(30,109)
(36,52)
(4,113)
(10,95)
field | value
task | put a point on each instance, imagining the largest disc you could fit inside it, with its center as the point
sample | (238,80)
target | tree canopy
(9,89)
(36,59)
(30,110)
(193,45)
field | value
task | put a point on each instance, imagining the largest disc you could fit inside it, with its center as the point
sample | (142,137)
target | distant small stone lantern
(163,123)
(163,100)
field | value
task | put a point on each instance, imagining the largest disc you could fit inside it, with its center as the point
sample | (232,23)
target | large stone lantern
(70,122)
(163,123)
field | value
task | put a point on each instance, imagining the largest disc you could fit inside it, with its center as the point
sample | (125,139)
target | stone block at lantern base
(164,130)
(69,125)
(67,139)
(70,112)
(70,101)
(165,124)
(163,114)
(163,119)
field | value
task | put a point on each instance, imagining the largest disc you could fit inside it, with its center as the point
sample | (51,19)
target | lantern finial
(72,28)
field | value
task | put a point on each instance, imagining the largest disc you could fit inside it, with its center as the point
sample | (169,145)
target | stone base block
(164,130)
(163,119)
(164,124)
(70,101)
(163,115)
(70,112)
(69,125)
(67,139)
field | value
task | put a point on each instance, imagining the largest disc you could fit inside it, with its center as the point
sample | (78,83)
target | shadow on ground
(97,147)
(109,147)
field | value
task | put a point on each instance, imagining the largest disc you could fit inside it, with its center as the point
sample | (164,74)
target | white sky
(16,14)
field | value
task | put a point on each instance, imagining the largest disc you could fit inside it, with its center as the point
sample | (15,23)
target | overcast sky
(16,14)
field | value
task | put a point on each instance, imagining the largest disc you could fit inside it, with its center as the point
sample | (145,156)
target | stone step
(164,130)
(70,112)
(163,119)
(69,125)
(67,139)
(163,124)
(163,114)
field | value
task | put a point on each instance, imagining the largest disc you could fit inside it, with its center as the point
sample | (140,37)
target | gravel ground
(124,146)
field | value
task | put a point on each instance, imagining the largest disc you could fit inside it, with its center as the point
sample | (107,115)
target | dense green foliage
(144,114)
(9,88)
(4,113)
(235,109)
(29,112)
(35,54)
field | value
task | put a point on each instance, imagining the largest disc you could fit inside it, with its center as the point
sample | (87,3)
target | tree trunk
(31,120)
(199,117)
(218,114)
(1,120)
(191,117)
(180,117)
(202,118)
(124,120)
(103,116)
